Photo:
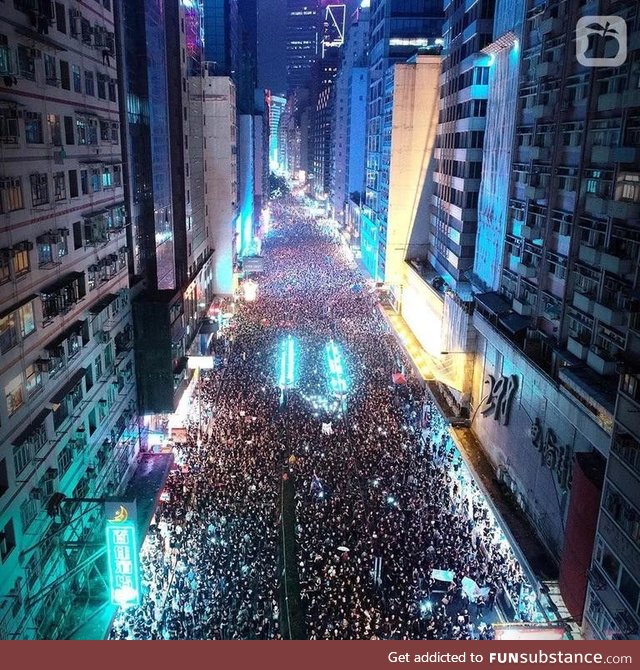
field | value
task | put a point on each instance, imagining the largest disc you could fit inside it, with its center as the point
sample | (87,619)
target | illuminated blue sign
(122,555)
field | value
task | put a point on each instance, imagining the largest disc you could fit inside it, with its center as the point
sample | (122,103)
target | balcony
(535,192)
(537,153)
(600,361)
(550,25)
(595,205)
(623,209)
(577,348)
(527,271)
(609,101)
(615,264)
(541,111)
(547,70)
(531,233)
(611,316)
(589,255)
(614,154)
(522,308)
(583,302)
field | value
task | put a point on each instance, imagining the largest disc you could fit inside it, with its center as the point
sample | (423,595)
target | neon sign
(122,554)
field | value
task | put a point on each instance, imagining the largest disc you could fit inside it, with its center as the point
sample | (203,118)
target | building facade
(303,41)
(68,419)
(396,35)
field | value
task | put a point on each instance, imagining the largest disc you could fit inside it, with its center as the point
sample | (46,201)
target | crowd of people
(393,538)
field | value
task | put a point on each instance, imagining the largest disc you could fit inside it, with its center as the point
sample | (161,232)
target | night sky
(272,67)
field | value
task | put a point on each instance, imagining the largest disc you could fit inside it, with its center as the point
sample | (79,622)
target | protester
(382,497)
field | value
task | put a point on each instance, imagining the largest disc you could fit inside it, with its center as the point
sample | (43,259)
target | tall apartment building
(276,108)
(555,311)
(350,114)
(68,419)
(468,29)
(395,35)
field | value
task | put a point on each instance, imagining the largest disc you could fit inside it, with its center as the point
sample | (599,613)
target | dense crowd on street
(382,499)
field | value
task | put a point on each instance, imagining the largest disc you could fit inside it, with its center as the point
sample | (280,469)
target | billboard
(122,554)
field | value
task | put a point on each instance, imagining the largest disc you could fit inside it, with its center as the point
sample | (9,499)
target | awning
(102,304)
(75,329)
(68,386)
(18,305)
(493,302)
(63,281)
(31,429)
(515,323)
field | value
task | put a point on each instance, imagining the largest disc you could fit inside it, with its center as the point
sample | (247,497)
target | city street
(393,539)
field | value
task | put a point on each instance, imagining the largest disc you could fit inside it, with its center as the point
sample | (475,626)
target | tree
(278,186)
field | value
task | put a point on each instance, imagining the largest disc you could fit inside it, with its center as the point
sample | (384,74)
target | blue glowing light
(122,559)
(287,363)
(337,377)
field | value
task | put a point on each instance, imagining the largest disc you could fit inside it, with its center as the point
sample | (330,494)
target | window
(21,263)
(98,367)
(45,254)
(63,243)
(5,268)
(77,79)
(27,320)
(14,394)
(95,180)
(84,182)
(73,183)
(8,332)
(102,86)
(33,128)
(26,62)
(50,70)
(112,90)
(64,460)
(33,379)
(65,75)
(87,130)
(117,175)
(628,187)
(61,18)
(9,129)
(55,132)
(629,589)
(69,135)
(11,194)
(89,83)
(7,540)
(39,189)
(77,235)
(59,186)
(107,181)
(29,511)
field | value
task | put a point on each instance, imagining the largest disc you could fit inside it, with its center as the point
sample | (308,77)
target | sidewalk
(145,487)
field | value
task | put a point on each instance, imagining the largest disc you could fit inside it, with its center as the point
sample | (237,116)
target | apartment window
(89,83)
(628,187)
(117,175)
(112,90)
(59,186)
(73,183)
(5,268)
(11,194)
(45,254)
(65,75)
(9,128)
(64,460)
(33,379)
(50,70)
(95,180)
(61,18)
(27,320)
(77,79)
(84,182)
(77,235)
(14,394)
(69,135)
(39,189)
(33,128)
(27,62)
(55,131)
(98,367)
(63,243)
(28,512)
(7,540)
(102,86)
(21,259)
(107,181)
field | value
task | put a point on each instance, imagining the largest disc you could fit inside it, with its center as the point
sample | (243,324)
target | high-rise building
(303,41)
(165,194)
(556,267)
(223,36)
(396,35)
(350,115)
(276,107)
(68,418)
(458,166)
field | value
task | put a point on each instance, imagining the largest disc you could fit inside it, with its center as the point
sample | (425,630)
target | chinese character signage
(500,397)
(557,457)
(122,554)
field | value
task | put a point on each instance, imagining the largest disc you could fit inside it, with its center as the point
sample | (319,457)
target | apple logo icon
(601,41)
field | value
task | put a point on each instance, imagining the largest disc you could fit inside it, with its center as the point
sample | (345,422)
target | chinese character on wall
(500,397)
